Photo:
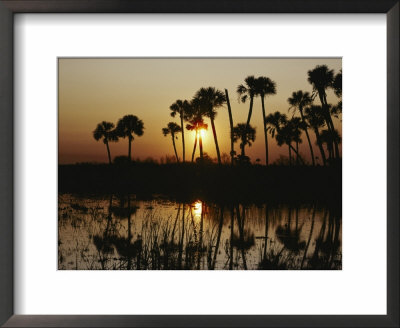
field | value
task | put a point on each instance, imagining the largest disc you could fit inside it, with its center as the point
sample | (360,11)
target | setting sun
(202,132)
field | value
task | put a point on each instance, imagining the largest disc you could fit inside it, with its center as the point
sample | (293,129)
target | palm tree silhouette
(210,99)
(337,84)
(172,129)
(127,127)
(246,91)
(231,126)
(322,78)
(105,131)
(194,116)
(315,119)
(327,137)
(264,87)
(285,132)
(180,107)
(246,134)
(296,127)
(299,101)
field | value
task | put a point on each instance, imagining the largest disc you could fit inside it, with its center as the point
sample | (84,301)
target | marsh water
(122,232)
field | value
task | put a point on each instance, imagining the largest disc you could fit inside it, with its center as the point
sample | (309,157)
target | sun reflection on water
(197,209)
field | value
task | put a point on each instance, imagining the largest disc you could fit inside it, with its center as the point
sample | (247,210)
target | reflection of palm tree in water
(221,222)
(309,237)
(323,246)
(103,243)
(290,238)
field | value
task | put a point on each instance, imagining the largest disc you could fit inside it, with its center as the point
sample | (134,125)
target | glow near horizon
(94,90)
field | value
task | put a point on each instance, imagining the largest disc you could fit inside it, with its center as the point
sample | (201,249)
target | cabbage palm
(246,135)
(315,120)
(248,91)
(322,78)
(298,101)
(264,87)
(210,99)
(105,131)
(328,138)
(231,126)
(172,129)
(284,131)
(197,125)
(180,107)
(195,116)
(127,127)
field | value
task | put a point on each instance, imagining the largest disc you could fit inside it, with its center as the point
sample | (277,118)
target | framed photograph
(209,164)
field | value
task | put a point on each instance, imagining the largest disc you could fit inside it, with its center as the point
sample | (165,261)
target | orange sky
(95,90)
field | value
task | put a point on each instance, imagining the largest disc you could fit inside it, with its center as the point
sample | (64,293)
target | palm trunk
(173,142)
(183,140)
(242,149)
(221,221)
(250,112)
(201,147)
(241,234)
(309,238)
(266,231)
(321,149)
(231,125)
(308,137)
(216,141)
(297,154)
(200,245)
(334,141)
(265,130)
(231,239)
(194,147)
(328,119)
(129,265)
(290,155)
(108,152)
(180,250)
(129,149)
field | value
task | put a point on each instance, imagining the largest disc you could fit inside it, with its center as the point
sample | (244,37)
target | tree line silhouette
(286,131)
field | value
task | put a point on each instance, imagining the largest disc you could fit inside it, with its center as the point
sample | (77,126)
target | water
(123,233)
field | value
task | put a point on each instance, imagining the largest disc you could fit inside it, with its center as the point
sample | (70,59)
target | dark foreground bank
(223,183)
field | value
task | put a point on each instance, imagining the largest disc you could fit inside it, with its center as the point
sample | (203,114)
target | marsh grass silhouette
(148,241)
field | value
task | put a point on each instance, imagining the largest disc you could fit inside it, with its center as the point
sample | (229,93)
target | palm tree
(210,99)
(105,131)
(284,131)
(328,138)
(246,135)
(194,115)
(337,84)
(315,119)
(264,87)
(180,107)
(248,91)
(296,128)
(298,101)
(231,125)
(127,127)
(172,129)
(322,78)
(337,88)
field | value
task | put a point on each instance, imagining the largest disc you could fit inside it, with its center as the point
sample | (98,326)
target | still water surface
(117,232)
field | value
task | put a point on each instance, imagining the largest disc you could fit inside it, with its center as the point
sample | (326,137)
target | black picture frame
(10,7)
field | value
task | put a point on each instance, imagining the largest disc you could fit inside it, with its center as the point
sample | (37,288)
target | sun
(202,132)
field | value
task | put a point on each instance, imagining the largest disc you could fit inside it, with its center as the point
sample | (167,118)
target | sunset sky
(95,90)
